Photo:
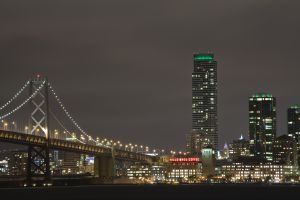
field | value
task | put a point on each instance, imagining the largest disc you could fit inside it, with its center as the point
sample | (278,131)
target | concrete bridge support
(104,168)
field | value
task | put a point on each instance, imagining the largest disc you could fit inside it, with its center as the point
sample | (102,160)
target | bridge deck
(26,139)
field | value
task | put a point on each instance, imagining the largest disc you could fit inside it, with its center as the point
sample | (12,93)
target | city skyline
(79,53)
(151,99)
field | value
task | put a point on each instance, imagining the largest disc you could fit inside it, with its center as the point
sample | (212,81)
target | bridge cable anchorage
(24,102)
(15,96)
(68,114)
(57,120)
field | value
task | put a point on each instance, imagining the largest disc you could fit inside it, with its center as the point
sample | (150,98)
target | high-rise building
(196,141)
(204,102)
(262,125)
(293,118)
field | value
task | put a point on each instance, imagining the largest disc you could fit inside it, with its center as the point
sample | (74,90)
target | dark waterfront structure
(204,103)
(293,118)
(262,125)
(137,192)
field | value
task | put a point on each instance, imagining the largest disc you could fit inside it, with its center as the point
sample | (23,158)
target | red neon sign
(191,159)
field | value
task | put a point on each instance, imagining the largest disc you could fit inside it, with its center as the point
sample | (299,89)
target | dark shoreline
(157,191)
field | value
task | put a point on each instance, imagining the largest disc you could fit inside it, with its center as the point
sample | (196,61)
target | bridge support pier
(38,164)
(104,168)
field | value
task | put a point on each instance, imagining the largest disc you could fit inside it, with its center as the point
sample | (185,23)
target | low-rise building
(139,171)
(184,169)
(285,150)
(239,147)
(4,167)
(258,169)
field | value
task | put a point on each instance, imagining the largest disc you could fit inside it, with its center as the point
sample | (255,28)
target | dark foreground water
(205,192)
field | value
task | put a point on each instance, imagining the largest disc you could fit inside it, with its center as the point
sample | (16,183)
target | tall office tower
(293,117)
(262,125)
(196,142)
(204,103)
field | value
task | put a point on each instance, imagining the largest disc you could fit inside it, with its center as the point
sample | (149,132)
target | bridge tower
(38,164)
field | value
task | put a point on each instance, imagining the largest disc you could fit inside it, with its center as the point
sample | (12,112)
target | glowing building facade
(262,125)
(204,103)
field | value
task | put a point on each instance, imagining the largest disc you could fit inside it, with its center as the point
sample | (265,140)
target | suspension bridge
(40,136)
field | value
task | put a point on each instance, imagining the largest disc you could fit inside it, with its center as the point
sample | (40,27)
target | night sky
(123,68)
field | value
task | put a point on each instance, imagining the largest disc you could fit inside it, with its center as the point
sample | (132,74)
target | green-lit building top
(262,95)
(295,106)
(203,57)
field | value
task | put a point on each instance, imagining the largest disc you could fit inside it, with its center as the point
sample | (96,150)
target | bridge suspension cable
(24,102)
(15,96)
(68,114)
(66,130)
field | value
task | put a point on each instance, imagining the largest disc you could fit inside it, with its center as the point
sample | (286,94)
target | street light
(142,148)
(5,125)
(26,129)
(37,131)
(56,134)
(15,125)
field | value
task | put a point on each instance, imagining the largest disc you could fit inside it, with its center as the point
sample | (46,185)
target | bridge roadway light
(82,137)
(15,125)
(26,129)
(56,134)
(5,126)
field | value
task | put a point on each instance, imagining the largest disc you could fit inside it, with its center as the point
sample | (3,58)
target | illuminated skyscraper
(204,103)
(293,117)
(262,125)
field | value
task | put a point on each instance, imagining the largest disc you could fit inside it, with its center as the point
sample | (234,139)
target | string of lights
(68,114)
(66,130)
(15,96)
(79,127)
(22,104)
(81,139)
